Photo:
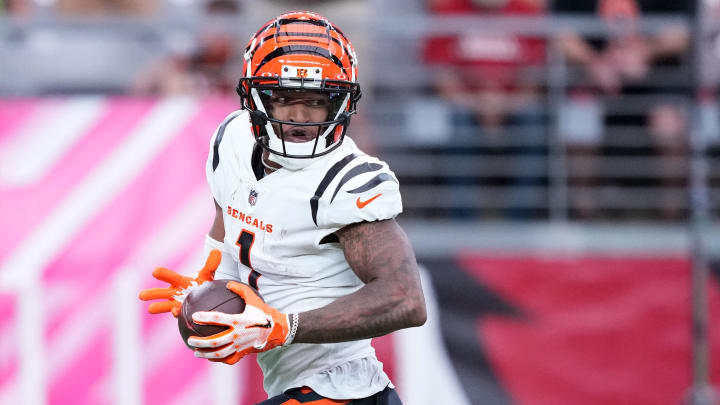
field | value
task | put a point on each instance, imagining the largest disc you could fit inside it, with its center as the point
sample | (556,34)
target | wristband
(293,328)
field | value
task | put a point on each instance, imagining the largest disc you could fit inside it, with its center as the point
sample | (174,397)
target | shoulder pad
(217,138)
(356,188)
(215,178)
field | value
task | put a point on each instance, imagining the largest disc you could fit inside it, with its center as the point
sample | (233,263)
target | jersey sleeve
(210,169)
(213,166)
(367,190)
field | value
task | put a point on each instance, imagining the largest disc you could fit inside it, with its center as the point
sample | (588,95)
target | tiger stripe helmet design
(299,52)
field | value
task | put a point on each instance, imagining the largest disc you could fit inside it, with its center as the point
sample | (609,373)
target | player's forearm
(375,310)
(391,299)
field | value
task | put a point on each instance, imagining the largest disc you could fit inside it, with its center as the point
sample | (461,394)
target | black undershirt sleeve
(256,162)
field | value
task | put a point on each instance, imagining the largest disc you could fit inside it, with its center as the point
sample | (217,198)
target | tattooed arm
(391,299)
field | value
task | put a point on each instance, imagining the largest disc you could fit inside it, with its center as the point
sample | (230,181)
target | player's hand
(257,329)
(180,286)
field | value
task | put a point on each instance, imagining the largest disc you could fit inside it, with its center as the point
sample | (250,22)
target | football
(209,296)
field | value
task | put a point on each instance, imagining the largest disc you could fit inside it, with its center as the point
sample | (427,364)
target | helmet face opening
(299,62)
(330,104)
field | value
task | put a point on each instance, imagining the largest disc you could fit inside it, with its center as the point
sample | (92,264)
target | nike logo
(268,325)
(362,204)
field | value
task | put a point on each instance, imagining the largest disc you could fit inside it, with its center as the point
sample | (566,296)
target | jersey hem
(339,395)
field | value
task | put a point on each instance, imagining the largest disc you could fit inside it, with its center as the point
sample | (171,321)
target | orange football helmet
(299,52)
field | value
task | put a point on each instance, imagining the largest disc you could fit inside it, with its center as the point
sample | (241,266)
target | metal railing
(520,171)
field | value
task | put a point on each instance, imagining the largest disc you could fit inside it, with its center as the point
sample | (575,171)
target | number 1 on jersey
(245,241)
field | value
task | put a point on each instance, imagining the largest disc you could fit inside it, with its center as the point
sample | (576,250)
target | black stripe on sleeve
(380,178)
(329,238)
(355,171)
(329,176)
(219,137)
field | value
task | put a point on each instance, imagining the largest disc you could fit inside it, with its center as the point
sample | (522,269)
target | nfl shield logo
(252,198)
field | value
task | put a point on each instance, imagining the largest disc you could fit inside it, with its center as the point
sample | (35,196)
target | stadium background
(561,220)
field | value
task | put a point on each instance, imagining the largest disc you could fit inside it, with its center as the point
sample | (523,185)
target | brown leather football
(209,296)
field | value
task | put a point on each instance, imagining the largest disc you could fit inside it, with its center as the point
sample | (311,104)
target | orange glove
(180,286)
(257,329)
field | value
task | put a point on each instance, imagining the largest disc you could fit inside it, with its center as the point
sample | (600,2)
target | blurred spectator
(487,78)
(107,7)
(485,74)
(709,107)
(83,7)
(212,67)
(623,63)
(710,47)
(16,7)
(580,123)
(209,69)
(222,7)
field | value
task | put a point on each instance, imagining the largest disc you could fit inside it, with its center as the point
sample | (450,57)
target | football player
(308,220)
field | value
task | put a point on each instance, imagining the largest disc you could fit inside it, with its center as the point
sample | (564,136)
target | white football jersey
(279,230)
